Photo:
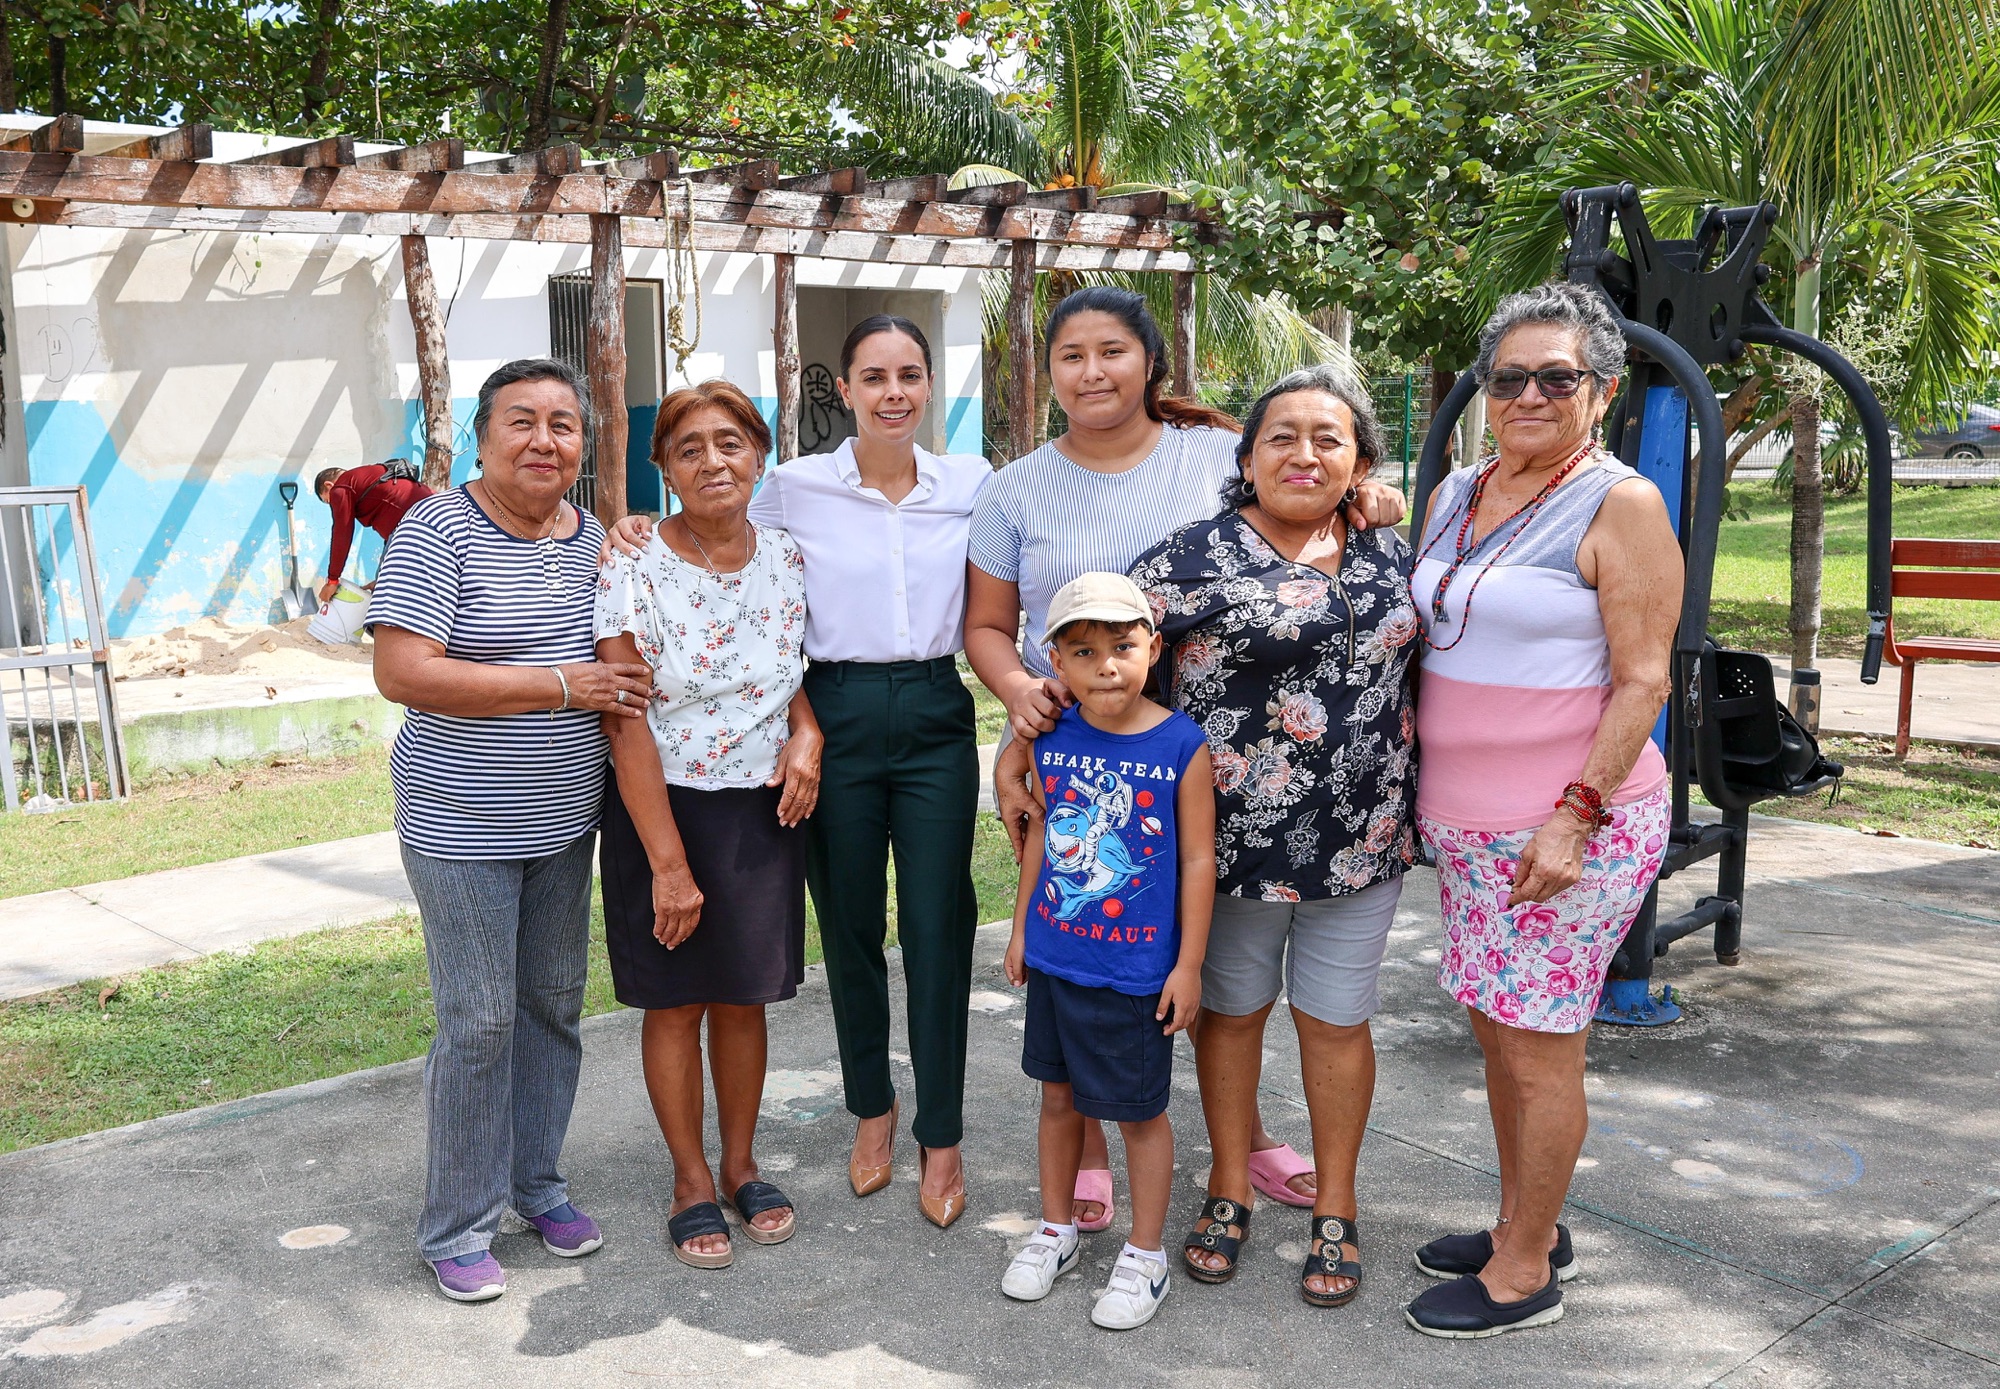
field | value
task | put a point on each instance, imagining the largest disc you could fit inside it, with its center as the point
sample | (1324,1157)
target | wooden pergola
(169,181)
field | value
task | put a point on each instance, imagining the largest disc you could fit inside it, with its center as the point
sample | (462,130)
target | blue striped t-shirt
(512,785)
(1044,519)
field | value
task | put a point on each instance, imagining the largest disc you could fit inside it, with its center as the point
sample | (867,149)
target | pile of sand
(211,646)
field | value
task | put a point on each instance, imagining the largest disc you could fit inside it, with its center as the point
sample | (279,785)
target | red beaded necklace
(1463,546)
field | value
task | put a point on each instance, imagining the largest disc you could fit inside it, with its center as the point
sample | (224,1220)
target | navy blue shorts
(1106,1046)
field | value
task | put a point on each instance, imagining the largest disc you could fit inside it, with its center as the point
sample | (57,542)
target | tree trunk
(433,365)
(1808,485)
(1021,389)
(1752,439)
(58,76)
(1742,403)
(1183,345)
(1808,530)
(8,98)
(1337,322)
(785,336)
(604,360)
(541,115)
(315,94)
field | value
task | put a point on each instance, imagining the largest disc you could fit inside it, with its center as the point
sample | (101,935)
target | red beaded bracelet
(1586,803)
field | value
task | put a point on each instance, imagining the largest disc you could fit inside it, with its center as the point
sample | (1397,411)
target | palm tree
(1872,124)
(1097,101)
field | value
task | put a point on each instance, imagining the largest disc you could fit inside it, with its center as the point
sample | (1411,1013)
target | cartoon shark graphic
(1081,842)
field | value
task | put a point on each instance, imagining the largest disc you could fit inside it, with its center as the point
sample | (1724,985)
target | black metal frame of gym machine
(1683,309)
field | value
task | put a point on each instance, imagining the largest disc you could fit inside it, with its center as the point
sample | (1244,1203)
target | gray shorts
(1332,965)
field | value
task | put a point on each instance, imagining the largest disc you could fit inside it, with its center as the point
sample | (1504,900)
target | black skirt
(750,945)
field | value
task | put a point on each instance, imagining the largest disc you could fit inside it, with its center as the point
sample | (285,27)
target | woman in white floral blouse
(703,860)
(1291,637)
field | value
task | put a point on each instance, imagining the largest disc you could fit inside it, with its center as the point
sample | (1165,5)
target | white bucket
(339,622)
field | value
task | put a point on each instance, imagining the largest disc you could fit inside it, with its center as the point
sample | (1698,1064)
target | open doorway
(825,316)
(645,378)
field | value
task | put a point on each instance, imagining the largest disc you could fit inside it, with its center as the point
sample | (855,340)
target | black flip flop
(1330,1232)
(1211,1236)
(752,1199)
(702,1218)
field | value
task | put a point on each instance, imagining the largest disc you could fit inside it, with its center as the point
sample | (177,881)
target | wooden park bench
(1937,569)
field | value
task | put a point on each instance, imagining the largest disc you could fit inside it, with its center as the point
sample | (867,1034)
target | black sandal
(1330,1232)
(702,1218)
(1211,1236)
(752,1199)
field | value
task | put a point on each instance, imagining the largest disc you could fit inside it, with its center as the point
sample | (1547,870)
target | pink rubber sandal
(1271,1172)
(1094,1184)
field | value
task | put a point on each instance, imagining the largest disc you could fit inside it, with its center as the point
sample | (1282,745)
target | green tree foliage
(1873,125)
(713,78)
(1371,136)
(1071,93)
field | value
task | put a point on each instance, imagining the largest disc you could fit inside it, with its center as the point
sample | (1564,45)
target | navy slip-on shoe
(1461,1310)
(1452,1256)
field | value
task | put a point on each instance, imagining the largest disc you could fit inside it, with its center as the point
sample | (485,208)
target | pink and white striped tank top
(1507,712)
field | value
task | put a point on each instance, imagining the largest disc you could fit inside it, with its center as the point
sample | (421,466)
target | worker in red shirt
(376,495)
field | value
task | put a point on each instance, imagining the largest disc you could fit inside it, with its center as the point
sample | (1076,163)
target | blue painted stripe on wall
(210,541)
(964,425)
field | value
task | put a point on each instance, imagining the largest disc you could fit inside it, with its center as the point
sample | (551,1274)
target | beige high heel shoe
(939,1210)
(866,1180)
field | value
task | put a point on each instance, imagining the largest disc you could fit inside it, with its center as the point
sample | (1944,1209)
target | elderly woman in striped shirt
(482,620)
(1133,467)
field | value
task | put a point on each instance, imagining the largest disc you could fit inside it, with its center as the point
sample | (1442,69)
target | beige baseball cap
(1097,598)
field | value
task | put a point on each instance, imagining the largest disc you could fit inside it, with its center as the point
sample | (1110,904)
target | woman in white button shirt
(883,526)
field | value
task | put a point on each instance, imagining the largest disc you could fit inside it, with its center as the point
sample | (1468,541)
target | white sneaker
(1136,1290)
(1041,1261)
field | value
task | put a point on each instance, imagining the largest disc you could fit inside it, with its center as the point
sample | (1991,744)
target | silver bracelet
(565,684)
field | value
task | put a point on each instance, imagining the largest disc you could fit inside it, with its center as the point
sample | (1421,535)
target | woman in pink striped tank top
(1548,579)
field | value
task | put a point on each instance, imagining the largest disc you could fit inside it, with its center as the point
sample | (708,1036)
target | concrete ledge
(192,739)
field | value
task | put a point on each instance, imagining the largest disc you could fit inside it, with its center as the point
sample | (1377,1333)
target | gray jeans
(507,941)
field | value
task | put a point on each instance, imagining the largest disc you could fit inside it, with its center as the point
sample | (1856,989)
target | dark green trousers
(900,770)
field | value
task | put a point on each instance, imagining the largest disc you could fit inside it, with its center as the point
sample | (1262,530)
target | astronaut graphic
(1087,861)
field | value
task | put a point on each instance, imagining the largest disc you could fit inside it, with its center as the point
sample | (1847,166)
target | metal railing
(58,707)
(1402,405)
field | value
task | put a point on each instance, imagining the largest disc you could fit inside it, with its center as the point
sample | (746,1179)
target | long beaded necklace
(1463,545)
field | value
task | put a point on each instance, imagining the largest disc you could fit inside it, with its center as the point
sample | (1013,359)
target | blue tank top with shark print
(1105,911)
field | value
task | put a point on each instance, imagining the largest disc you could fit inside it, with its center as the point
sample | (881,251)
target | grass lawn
(247,809)
(1753,568)
(285,1012)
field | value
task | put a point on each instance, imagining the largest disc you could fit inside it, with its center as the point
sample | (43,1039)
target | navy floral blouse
(1302,684)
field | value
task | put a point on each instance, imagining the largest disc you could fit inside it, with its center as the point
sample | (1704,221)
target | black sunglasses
(1557,383)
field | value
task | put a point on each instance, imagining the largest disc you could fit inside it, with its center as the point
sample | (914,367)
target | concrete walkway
(1954,703)
(55,938)
(1799,1187)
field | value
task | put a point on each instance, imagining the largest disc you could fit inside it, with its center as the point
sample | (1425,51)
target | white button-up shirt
(885,581)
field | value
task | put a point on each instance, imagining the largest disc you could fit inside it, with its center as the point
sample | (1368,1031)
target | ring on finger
(620,696)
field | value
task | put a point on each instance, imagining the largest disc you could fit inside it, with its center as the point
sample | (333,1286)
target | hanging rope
(683,274)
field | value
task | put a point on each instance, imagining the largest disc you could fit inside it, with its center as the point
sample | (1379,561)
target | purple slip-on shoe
(477,1282)
(568,1239)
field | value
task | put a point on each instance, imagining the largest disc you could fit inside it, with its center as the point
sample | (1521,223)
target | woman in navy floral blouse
(1291,637)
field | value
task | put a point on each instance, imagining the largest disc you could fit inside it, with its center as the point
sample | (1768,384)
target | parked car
(1975,436)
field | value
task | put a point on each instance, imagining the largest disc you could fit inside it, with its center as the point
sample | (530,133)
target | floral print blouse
(728,654)
(1302,684)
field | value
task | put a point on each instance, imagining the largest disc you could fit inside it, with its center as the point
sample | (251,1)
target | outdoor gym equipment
(1685,305)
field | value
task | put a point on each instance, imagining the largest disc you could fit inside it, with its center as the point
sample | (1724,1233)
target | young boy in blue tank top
(1110,927)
